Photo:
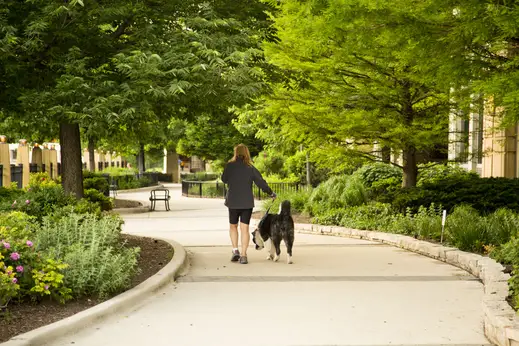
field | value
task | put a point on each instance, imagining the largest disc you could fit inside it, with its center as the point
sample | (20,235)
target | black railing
(43,168)
(17,175)
(1,175)
(59,168)
(199,176)
(51,171)
(206,189)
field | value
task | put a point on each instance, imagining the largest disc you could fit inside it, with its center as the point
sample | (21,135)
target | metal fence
(206,189)
(17,175)
(199,176)
(1,175)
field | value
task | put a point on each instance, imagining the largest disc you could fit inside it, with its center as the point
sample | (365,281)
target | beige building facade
(480,143)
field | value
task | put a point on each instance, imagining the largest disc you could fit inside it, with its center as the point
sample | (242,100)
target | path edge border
(501,323)
(121,302)
(132,210)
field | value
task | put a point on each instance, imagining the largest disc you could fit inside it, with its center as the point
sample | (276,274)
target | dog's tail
(286,208)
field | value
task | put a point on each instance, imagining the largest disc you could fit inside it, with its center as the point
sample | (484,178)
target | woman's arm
(261,183)
(225,177)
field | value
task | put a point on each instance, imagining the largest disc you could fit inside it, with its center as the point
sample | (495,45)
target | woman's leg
(233,233)
(245,236)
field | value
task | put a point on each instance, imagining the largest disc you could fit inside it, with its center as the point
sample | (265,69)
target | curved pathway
(338,292)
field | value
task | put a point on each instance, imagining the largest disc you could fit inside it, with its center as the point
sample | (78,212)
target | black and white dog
(274,227)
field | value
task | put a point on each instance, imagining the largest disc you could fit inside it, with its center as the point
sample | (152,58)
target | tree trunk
(410,167)
(91,154)
(409,152)
(71,166)
(386,154)
(140,160)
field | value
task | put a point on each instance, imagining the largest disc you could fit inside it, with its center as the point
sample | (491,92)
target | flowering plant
(8,283)
(24,271)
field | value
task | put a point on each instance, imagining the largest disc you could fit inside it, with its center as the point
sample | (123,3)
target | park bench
(113,188)
(159,194)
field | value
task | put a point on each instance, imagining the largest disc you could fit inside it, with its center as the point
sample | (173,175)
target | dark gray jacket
(239,178)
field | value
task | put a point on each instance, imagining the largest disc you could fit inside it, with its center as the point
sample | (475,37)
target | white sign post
(444,217)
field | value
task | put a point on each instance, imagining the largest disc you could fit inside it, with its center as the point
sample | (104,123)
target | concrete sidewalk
(338,292)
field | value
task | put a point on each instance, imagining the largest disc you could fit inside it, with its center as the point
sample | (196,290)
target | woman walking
(239,174)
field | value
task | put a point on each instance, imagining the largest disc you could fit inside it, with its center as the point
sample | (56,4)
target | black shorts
(243,215)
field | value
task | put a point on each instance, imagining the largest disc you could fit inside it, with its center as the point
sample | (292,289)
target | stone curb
(134,210)
(122,302)
(501,323)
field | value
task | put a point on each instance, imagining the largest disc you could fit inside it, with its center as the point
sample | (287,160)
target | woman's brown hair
(241,151)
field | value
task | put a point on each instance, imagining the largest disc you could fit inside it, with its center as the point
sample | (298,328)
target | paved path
(338,292)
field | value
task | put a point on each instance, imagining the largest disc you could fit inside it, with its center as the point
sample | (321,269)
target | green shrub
(337,192)
(10,194)
(502,225)
(118,171)
(384,187)
(402,224)
(94,196)
(16,225)
(332,216)
(437,173)
(41,180)
(97,183)
(39,200)
(127,182)
(378,171)
(467,230)
(98,264)
(428,223)
(298,201)
(486,195)
(371,216)
(508,253)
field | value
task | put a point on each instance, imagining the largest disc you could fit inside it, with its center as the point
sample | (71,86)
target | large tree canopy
(355,81)
(121,70)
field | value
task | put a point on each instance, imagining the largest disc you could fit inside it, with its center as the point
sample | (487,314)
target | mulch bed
(126,203)
(21,318)
(298,218)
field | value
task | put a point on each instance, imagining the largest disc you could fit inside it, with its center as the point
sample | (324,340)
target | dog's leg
(270,250)
(289,242)
(277,245)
